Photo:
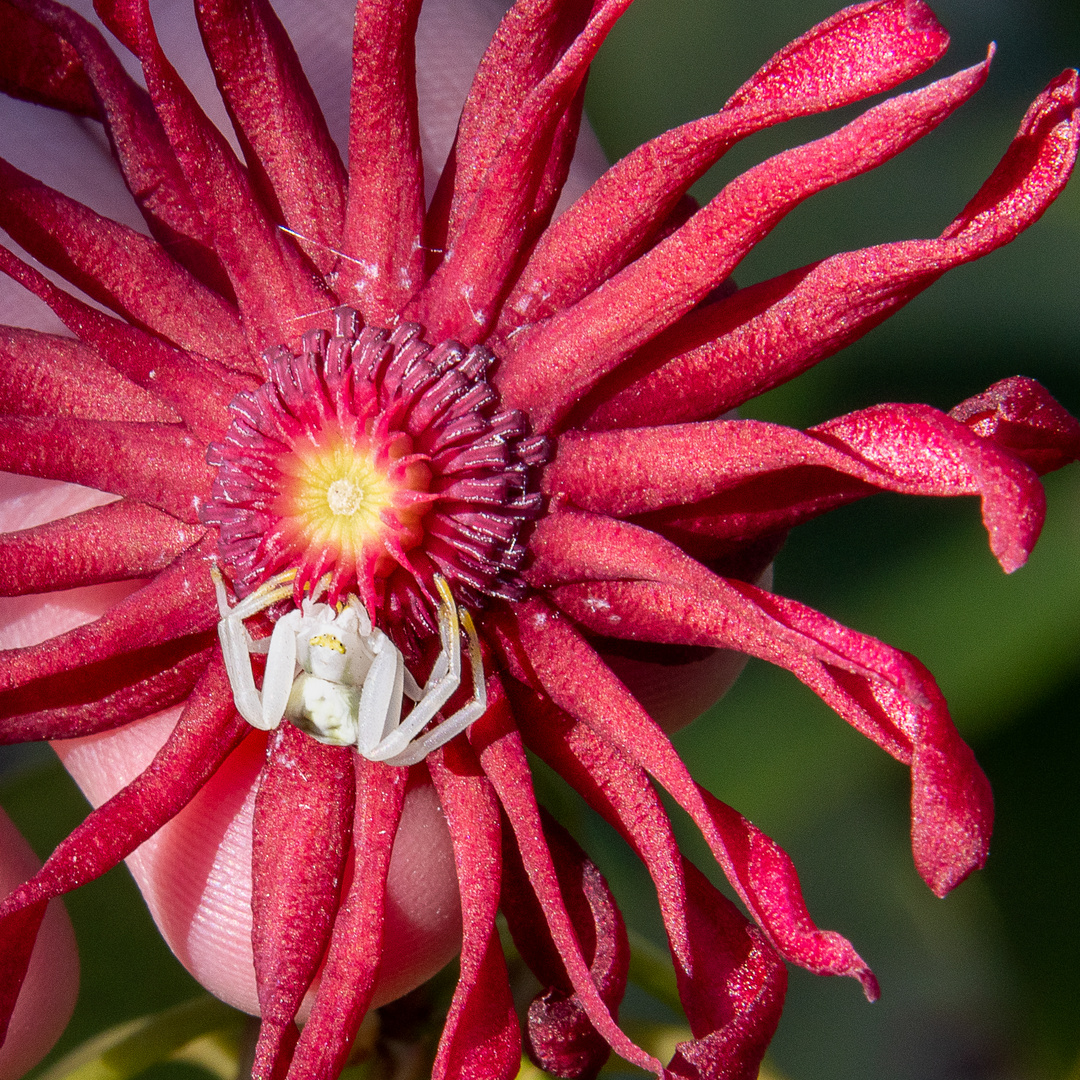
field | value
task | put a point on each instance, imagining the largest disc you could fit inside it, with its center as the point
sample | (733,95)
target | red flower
(249,421)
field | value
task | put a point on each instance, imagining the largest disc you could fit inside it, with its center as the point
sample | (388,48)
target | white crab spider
(340,679)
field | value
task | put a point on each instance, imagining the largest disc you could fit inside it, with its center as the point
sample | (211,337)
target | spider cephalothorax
(378,461)
(335,676)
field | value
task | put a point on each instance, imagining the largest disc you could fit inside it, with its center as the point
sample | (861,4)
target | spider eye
(328,641)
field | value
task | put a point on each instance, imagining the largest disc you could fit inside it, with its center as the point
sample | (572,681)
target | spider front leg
(453,725)
(237,647)
(404,745)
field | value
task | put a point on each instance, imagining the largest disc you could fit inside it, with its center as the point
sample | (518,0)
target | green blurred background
(983,985)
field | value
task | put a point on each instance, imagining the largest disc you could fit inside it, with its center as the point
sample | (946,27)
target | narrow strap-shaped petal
(560,1037)
(300,837)
(747,992)
(527,44)
(462,297)
(87,701)
(884,693)
(352,960)
(481,1039)
(578,681)
(199,388)
(1019,415)
(502,756)
(37,65)
(550,365)
(383,262)
(952,807)
(120,540)
(49,375)
(862,50)
(275,287)
(127,272)
(158,464)
(207,731)
(724,354)
(932,454)
(146,160)
(731,982)
(569,547)
(293,160)
(583,557)
(619,791)
(906,448)
(177,602)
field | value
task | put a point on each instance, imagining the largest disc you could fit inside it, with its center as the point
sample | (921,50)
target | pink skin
(196,872)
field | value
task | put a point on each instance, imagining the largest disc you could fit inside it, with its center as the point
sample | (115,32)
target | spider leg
(237,646)
(434,696)
(413,690)
(235,640)
(235,650)
(320,586)
(362,618)
(280,673)
(379,710)
(279,587)
(453,725)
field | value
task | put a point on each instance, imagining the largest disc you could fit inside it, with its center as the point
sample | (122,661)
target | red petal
(1018,415)
(179,601)
(571,547)
(560,1037)
(158,464)
(37,65)
(952,808)
(932,454)
(300,837)
(503,759)
(277,292)
(731,982)
(529,41)
(199,388)
(383,260)
(737,960)
(884,693)
(480,1039)
(49,375)
(463,296)
(579,682)
(726,353)
(120,268)
(907,448)
(136,685)
(207,731)
(150,168)
(550,365)
(293,160)
(862,50)
(121,540)
(352,960)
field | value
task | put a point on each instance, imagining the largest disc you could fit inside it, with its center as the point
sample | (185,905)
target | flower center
(346,498)
(379,460)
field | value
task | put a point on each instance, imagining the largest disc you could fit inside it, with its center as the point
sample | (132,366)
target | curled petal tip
(921,19)
(952,815)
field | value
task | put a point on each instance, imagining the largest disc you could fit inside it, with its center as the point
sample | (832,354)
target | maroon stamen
(371,454)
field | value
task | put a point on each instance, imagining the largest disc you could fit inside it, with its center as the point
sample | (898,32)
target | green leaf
(204,1032)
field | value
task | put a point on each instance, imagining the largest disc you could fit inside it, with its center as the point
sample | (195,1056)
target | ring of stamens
(381,461)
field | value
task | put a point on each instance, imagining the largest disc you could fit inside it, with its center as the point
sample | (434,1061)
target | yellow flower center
(348,496)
